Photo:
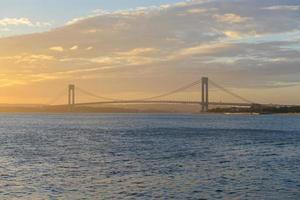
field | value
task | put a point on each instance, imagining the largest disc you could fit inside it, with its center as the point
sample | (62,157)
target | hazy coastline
(131,110)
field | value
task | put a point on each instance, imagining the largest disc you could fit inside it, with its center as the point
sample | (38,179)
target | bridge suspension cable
(97,96)
(171,92)
(58,97)
(180,89)
(143,99)
(231,93)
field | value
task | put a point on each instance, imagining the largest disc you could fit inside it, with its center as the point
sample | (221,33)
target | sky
(141,48)
(55,13)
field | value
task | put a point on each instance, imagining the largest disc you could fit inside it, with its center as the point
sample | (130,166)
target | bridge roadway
(163,102)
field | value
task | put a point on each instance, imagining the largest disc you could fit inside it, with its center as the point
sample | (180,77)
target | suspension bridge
(202,85)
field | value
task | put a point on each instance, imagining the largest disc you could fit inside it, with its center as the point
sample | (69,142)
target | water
(113,156)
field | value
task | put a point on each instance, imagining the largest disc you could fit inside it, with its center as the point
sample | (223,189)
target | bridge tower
(204,94)
(71,96)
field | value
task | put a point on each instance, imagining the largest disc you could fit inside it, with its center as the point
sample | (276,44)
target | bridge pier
(71,96)
(205,99)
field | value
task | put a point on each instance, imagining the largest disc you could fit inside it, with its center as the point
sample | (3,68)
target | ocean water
(140,156)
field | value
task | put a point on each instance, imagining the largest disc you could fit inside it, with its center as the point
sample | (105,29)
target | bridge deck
(164,102)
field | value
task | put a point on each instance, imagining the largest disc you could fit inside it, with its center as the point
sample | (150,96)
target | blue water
(129,156)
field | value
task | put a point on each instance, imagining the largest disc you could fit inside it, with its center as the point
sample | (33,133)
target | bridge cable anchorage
(171,92)
(231,93)
(58,97)
(97,96)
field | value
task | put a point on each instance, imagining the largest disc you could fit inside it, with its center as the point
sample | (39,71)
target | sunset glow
(143,48)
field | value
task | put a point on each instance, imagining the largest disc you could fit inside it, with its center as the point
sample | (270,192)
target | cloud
(229,41)
(22,22)
(73,48)
(15,21)
(204,49)
(283,7)
(139,52)
(89,48)
(100,12)
(230,18)
(196,11)
(57,48)
(78,19)
(28,58)
(232,34)
(135,57)
(5,29)
(139,11)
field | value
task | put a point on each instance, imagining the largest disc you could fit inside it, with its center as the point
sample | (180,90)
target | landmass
(259,110)
(152,108)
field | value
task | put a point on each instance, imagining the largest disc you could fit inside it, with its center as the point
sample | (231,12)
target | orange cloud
(230,18)
(57,48)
